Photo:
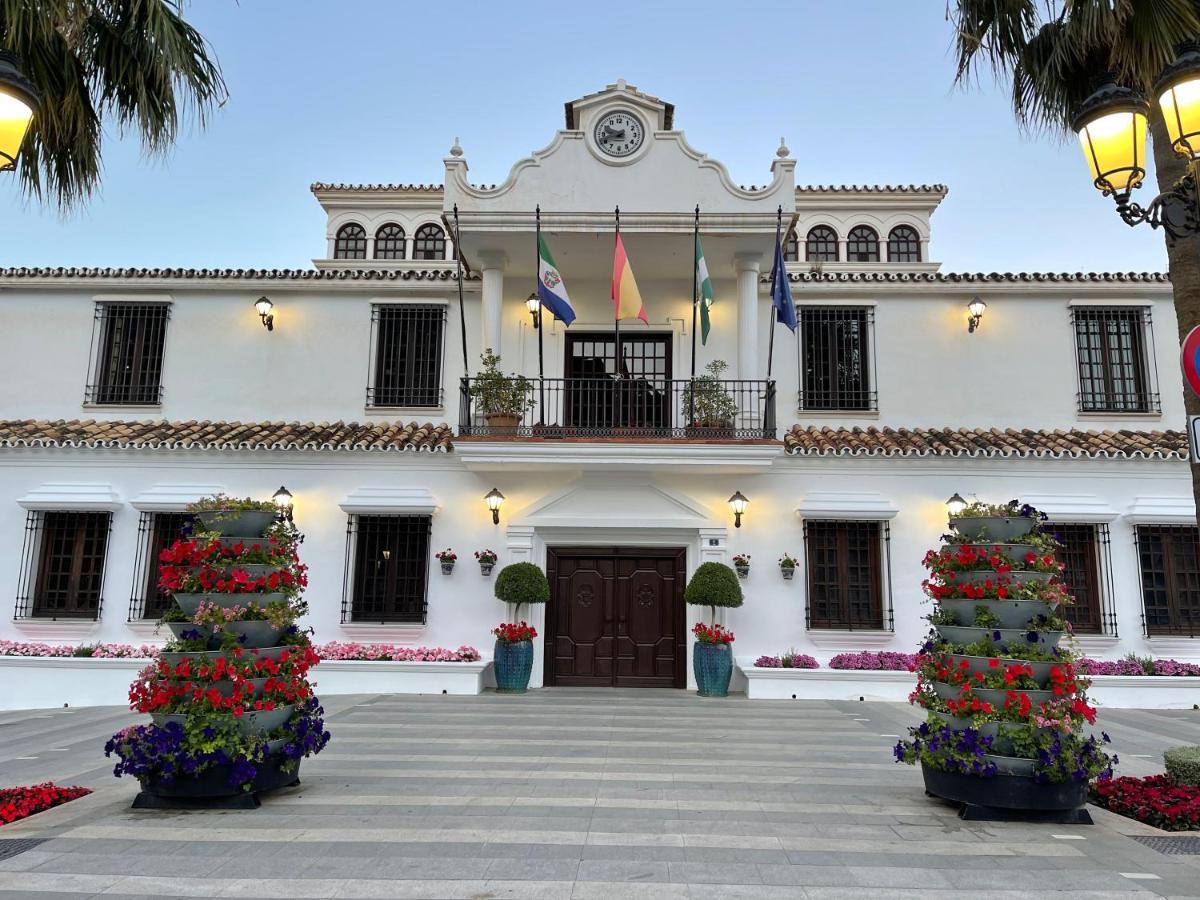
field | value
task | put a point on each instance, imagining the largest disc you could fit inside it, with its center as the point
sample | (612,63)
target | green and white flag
(704,291)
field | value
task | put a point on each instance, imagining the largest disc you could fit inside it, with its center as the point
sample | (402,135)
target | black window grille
(862,244)
(62,565)
(1087,569)
(407,368)
(904,244)
(848,566)
(387,569)
(1170,568)
(1111,346)
(821,245)
(156,532)
(128,354)
(429,243)
(791,248)
(835,370)
(389,242)
(350,242)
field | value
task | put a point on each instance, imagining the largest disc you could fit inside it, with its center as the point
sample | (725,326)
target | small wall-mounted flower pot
(447,567)
(742,571)
(788,572)
(485,568)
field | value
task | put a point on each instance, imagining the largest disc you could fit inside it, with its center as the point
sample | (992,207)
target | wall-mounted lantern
(494,500)
(283,502)
(534,305)
(19,100)
(738,503)
(975,310)
(263,306)
(955,505)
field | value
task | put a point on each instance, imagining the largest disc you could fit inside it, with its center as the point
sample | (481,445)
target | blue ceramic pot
(713,665)
(513,662)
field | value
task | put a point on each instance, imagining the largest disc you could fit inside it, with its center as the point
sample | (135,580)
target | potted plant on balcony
(741,562)
(447,558)
(501,399)
(713,585)
(518,584)
(787,566)
(707,406)
(487,561)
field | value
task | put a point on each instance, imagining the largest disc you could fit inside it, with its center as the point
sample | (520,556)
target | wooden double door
(616,617)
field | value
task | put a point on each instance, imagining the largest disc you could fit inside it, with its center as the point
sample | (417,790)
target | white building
(126,393)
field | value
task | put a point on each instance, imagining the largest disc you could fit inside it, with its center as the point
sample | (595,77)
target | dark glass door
(604,392)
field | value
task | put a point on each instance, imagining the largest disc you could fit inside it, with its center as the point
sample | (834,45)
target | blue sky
(375,91)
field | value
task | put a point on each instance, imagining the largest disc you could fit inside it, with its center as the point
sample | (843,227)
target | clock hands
(611,133)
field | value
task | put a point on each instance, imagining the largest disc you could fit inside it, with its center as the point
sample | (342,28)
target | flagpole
(695,307)
(462,312)
(774,275)
(617,414)
(539,325)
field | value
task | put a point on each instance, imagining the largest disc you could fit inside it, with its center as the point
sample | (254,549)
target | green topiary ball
(714,584)
(522,582)
(1183,765)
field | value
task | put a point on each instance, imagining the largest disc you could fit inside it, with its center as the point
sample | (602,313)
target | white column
(492,265)
(747,266)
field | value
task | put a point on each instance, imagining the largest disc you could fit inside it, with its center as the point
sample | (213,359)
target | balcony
(628,409)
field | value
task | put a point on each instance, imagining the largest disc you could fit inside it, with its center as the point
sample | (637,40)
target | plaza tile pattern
(574,793)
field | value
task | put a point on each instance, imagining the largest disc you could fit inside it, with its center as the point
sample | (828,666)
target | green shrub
(712,585)
(1183,765)
(521,583)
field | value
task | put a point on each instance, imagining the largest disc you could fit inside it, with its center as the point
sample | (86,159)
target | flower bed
(872,661)
(94,651)
(790,660)
(1167,668)
(335,650)
(19,802)
(1155,800)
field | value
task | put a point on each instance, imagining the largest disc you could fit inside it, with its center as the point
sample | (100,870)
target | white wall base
(45,682)
(1144,691)
(825,684)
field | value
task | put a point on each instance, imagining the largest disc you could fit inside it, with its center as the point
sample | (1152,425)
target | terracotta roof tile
(872,189)
(162,435)
(875,277)
(986,442)
(359,274)
(407,188)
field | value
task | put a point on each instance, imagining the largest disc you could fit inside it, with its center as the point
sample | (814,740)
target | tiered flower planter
(1005,706)
(232,711)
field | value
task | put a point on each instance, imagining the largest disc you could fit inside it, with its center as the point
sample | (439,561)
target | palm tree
(134,63)
(1052,51)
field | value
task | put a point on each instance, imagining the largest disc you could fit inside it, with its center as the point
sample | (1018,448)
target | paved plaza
(574,793)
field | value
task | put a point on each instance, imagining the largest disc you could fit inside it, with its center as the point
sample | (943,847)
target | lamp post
(19,100)
(1111,124)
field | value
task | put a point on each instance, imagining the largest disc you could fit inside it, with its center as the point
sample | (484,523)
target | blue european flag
(781,292)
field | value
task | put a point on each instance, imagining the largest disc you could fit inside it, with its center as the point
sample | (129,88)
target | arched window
(389,242)
(821,245)
(351,242)
(862,244)
(429,243)
(904,244)
(791,248)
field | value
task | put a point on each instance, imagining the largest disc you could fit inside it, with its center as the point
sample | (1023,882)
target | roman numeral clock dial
(619,133)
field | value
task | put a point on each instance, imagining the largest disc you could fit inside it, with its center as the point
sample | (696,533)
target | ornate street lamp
(494,500)
(955,505)
(1111,125)
(738,503)
(19,100)
(975,310)
(283,502)
(264,307)
(534,305)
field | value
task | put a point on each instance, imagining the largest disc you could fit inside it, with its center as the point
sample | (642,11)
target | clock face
(619,133)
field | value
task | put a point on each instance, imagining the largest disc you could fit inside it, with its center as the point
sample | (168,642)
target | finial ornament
(783,150)
(621,84)
(456,150)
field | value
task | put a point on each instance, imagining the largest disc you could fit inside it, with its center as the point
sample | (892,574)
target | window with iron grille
(1082,547)
(429,243)
(389,242)
(127,356)
(1111,348)
(156,532)
(834,363)
(847,569)
(387,569)
(791,248)
(821,245)
(1170,567)
(862,244)
(62,565)
(351,242)
(904,244)
(407,367)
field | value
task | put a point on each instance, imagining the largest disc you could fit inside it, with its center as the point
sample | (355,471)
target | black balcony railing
(628,407)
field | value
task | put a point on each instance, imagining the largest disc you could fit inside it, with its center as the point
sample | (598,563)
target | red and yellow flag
(627,300)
